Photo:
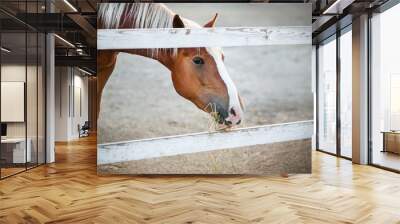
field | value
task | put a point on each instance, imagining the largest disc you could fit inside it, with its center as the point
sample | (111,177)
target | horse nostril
(228,122)
(239,122)
(233,112)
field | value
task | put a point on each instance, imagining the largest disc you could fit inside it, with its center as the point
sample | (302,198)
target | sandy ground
(139,100)
(271,159)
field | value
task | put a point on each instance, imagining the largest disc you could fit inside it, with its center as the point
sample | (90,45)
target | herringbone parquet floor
(70,191)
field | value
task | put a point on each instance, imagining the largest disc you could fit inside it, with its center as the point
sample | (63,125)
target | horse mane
(138,16)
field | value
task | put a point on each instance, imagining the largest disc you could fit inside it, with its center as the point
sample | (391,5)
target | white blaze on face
(234,102)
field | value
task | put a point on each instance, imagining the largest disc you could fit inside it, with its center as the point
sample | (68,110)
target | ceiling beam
(337,7)
(78,61)
(322,20)
(49,22)
(86,27)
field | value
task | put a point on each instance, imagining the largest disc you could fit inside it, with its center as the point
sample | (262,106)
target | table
(391,141)
(13,150)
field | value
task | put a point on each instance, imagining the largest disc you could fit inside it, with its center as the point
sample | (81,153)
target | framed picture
(210,88)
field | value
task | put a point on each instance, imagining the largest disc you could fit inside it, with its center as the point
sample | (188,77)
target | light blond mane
(139,16)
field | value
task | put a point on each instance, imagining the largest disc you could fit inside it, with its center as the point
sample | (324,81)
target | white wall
(70,84)
(12,73)
(80,109)
(16,73)
(34,124)
(62,81)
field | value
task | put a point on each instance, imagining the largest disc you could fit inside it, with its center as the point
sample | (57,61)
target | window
(385,89)
(346,93)
(327,96)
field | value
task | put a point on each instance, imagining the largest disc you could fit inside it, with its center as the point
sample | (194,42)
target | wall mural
(243,108)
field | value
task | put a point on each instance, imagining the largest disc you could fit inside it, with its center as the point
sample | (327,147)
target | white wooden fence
(202,37)
(202,142)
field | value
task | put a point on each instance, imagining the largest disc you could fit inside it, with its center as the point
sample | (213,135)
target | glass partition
(31,100)
(327,96)
(41,96)
(14,153)
(22,88)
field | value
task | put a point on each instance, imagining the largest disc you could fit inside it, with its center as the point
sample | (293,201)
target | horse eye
(198,60)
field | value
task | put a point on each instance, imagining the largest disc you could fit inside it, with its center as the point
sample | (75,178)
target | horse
(198,74)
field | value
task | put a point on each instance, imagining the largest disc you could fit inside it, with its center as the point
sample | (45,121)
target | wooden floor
(69,191)
(5,172)
(387,159)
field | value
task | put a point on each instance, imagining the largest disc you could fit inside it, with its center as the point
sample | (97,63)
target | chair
(84,130)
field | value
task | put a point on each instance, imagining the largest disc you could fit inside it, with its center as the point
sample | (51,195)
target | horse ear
(177,22)
(211,23)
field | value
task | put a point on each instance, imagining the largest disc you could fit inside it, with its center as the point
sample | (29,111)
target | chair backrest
(86,125)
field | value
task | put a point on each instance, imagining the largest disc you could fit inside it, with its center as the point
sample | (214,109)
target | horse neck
(165,57)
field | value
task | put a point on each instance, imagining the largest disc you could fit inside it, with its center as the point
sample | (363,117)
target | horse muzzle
(230,117)
(234,116)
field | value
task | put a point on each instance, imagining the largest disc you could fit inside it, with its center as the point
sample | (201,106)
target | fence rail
(114,39)
(202,142)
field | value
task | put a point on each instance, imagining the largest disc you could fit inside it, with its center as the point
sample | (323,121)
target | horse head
(200,75)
